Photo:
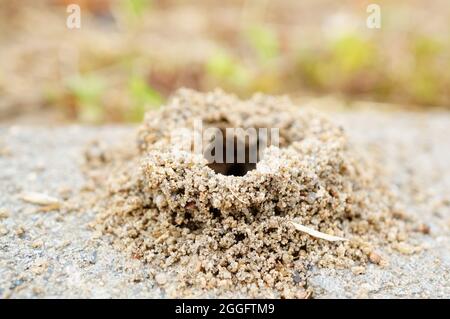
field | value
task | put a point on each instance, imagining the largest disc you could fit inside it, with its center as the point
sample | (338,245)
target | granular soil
(200,229)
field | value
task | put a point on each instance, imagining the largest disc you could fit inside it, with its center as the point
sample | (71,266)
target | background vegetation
(130,55)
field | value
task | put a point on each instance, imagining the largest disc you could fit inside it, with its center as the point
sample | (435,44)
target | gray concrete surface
(55,254)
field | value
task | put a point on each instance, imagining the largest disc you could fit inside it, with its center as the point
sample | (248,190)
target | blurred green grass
(134,54)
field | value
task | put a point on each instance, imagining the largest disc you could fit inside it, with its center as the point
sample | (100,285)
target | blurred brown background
(130,55)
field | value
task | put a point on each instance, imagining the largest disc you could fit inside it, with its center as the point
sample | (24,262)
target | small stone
(20,231)
(424,229)
(65,192)
(3,230)
(16,283)
(4,213)
(296,277)
(341,251)
(37,290)
(190,205)
(93,258)
(161,279)
(358,270)
(39,267)
(37,243)
(374,258)
(160,201)
(404,248)
(137,278)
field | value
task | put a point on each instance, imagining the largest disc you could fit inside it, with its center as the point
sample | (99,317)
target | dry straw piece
(226,235)
(316,233)
(40,199)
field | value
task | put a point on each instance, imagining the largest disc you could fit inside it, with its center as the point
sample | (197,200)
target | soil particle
(423,228)
(3,230)
(4,213)
(39,266)
(358,270)
(161,279)
(92,258)
(375,258)
(38,243)
(20,231)
(405,248)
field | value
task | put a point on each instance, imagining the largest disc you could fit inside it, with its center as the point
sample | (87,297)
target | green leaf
(426,48)
(137,7)
(353,53)
(264,41)
(144,97)
(224,67)
(87,91)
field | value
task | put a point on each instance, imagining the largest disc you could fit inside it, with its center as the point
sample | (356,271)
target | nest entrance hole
(235,155)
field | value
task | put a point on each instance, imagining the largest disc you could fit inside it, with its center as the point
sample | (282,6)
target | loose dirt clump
(313,201)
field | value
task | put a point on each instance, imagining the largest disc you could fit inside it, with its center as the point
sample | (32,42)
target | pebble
(404,248)
(358,270)
(4,213)
(16,283)
(3,230)
(424,229)
(37,243)
(65,192)
(93,258)
(296,277)
(39,267)
(161,279)
(374,258)
(20,231)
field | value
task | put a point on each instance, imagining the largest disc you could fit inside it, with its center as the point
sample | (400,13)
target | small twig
(316,233)
(237,197)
